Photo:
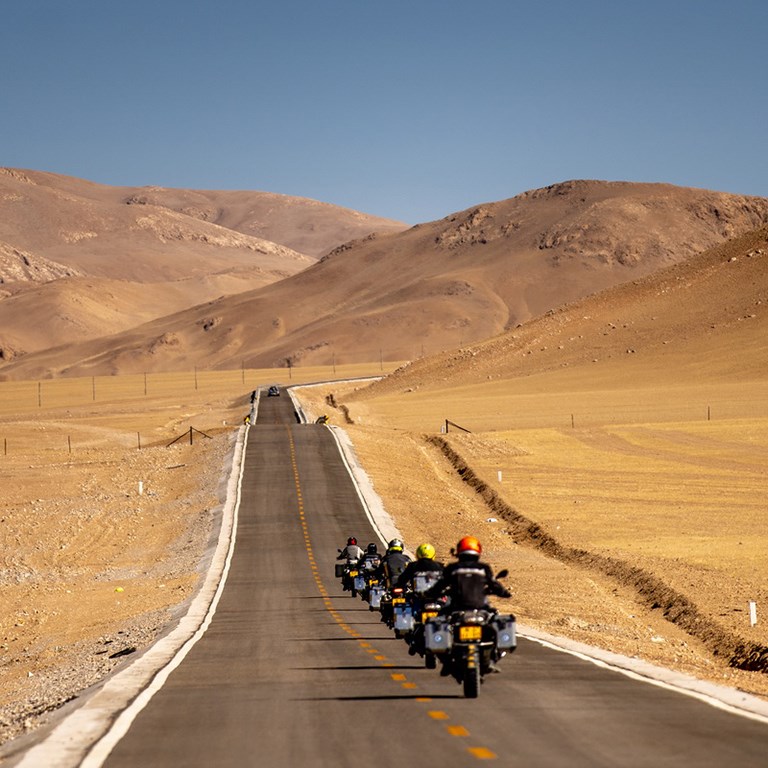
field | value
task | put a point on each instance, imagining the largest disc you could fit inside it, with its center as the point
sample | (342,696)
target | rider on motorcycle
(393,563)
(424,565)
(468,581)
(370,560)
(352,552)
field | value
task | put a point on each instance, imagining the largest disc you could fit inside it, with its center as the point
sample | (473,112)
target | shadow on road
(361,667)
(395,697)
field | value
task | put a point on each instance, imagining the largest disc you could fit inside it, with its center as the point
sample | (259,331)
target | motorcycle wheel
(354,592)
(471,682)
(430,662)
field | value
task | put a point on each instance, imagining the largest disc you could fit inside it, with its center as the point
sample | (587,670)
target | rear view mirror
(502,573)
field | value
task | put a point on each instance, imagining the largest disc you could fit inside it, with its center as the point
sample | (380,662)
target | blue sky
(409,110)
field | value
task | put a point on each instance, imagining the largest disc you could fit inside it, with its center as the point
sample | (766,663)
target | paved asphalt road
(293,672)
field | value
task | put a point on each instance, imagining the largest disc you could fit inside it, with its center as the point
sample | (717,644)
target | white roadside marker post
(752,613)
(499,475)
(141,487)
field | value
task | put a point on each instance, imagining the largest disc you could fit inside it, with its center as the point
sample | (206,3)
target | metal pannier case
(403,620)
(506,632)
(340,570)
(374,597)
(437,636)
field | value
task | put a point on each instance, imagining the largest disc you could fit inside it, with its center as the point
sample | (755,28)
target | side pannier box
(404,620)
(375,597)
(340,570)
(506,632)
(437,636)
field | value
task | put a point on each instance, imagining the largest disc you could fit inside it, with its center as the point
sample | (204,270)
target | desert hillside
(703,320)
(436,286)
(129,255)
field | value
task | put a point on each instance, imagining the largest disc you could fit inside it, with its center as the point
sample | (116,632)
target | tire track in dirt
(652,591)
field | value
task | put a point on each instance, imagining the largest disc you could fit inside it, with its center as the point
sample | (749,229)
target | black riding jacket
(392,565)
(467,583)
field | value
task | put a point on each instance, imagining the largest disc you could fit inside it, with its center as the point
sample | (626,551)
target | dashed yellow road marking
(438,714)
(398,676)
(481,753)
(457,730)
(408,685)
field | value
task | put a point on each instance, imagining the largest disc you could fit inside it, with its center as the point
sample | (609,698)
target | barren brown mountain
(705,319)
(132,255)
(433,287)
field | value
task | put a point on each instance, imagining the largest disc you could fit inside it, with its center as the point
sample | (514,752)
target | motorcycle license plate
(470,633)
(353,574)
(427,615)
(398,600)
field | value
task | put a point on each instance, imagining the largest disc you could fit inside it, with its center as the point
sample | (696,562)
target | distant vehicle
(273,391)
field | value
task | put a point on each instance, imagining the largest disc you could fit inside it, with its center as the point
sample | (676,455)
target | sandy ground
(93,570)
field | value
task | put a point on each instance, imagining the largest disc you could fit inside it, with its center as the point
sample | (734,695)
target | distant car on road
(273,391)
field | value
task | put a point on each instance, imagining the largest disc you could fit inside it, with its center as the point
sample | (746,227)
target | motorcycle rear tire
(354,592)
(430,661)
(471,682)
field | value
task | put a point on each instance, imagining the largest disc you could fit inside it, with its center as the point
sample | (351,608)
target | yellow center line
(481,753)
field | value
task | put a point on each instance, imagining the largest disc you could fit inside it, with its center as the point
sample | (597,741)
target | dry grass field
(631,519)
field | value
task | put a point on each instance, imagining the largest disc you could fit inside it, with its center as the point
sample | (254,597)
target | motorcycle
(470,643)
(347,572)
(402,614)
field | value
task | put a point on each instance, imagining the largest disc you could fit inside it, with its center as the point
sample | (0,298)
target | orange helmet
(469,545)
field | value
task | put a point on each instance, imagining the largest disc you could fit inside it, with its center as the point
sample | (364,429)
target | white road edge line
(719,696)
(86,737)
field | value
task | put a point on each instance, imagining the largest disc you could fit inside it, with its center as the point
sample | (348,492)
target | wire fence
(64,392)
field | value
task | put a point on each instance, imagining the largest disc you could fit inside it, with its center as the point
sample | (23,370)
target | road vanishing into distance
(294,672)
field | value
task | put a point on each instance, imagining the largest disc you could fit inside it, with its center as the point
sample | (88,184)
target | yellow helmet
(425,552)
